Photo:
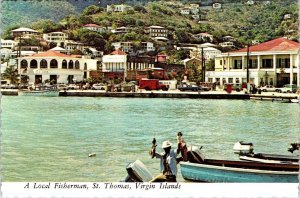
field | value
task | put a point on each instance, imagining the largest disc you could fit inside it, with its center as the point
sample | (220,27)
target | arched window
(53,63)
(99,65)
(85,66)
(71,64)
(64,64)
(77,65)
(43,64)
(24,64)
(33,64)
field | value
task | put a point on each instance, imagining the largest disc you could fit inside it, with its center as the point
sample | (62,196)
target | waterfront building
(56,67)
(59,38)
(114,64)
(275,62)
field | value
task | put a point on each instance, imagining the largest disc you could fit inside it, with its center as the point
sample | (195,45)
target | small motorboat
(246,152)
(295,101)
(214,170)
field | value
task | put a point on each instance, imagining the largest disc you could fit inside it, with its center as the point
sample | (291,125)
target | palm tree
(11,74)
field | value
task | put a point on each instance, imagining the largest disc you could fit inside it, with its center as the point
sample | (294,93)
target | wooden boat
(212,170)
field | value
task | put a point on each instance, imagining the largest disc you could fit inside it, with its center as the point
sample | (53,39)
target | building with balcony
(59,38)
(24,32)
(115,64)
(117,8)
(275,62)
(157,31)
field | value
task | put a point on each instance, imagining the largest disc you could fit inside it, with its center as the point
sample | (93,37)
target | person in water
(182,147)
(168,164)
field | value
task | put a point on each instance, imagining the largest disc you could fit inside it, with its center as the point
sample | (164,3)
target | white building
(115,62)
(274,62)
(209,52)
(95,28)
(5,53)
(24,32)
(121,30)
(157,31)
(59,38)
(129,46)
(227,44)
(147,46)
(55,66)
(117,8)
(204,36)
(217,5)
(10,44)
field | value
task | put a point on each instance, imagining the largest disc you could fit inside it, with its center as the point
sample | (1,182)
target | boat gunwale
(235,169)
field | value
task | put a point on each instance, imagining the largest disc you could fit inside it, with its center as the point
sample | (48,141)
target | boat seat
(246,143)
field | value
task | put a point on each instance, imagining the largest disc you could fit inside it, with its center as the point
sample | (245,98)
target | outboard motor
(243,148)
(138,172)
(195,155)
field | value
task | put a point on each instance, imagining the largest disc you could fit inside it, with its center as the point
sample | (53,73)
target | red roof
(91,25)
(51,53)
(279,44)
(118,52)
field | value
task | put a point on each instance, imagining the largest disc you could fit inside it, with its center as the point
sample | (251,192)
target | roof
(51,53)
(22,29)
(208,45)
(155,26)
(91,25)
(279,44)
(58,49)
(118,52)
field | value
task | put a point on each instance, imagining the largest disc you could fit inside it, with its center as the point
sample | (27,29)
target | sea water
(50,139)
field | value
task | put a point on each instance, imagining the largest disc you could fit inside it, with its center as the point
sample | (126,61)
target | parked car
(186,87)
(86,86)
(8,86)
(234,86)
(287,88)
(99,87)
(72,87)
(62,86)
(268,88)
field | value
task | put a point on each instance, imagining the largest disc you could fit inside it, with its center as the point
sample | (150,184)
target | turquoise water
(49,139)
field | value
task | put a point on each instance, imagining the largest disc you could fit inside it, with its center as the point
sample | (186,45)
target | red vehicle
(152,84)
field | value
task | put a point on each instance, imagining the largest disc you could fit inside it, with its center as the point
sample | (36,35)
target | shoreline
(169,94)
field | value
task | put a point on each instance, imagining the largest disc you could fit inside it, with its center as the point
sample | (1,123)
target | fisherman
(168,164)
(182,147)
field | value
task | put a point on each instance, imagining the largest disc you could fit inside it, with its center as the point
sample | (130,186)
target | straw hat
(166,144)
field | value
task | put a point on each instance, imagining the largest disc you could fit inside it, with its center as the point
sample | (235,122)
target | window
(53,63)
(237,64)
(85,66)
(24,64)
(230,80)
(77,65)
(33,64)
(71,64)
(64,64)
(220,62)
(252,63)
(283,63)
(267,63)
(43,64)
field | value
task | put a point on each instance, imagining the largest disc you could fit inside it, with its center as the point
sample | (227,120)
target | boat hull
(220,174)
(39,93)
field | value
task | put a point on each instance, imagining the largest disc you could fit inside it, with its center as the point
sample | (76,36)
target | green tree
(11,74)
(46,26)
(92,9)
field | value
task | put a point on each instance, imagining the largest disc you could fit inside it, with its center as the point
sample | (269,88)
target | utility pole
(203,64)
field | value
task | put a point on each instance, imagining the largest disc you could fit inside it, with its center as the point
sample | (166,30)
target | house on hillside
(94,27)
(250,2)
(216,5)
(24,33)
(157,31)
(204,36)
(227,44)
(287,16)
(9,44)
(117,8)
(121,30)
(275,62)
(59,38)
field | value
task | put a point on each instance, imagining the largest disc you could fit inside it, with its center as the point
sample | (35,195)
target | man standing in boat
(168,164)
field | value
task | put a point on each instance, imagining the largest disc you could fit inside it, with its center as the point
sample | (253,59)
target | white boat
(295,101)
(47,91)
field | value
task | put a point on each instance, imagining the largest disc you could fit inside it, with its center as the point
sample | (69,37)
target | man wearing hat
(168,164)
